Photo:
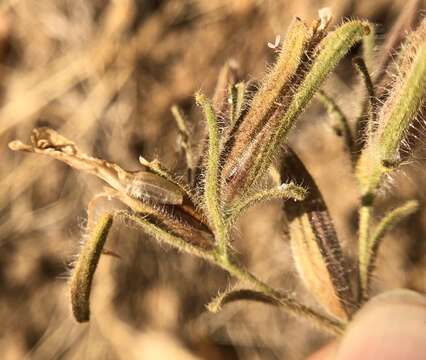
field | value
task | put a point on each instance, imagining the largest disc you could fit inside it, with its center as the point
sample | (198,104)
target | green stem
(283,192)
(388,222)
(291,305)
(288,303)
(211,192)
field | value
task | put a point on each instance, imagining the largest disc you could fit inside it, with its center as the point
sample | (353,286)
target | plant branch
(288,303)
(211,192)
(387,223)
(284,191)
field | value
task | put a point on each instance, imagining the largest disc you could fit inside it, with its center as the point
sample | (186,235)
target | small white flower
(276,43)
(325,16)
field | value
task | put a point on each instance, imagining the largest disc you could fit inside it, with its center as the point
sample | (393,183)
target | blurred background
(105,74)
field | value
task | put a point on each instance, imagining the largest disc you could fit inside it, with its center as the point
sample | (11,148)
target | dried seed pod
(143,184)
(284,107)
(328,54)
(272,86)
(268,95)
(237,174)
(315,246)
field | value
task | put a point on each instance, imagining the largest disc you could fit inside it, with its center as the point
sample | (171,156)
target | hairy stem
(387,223)
(81,281)
(211,192)
(288,303)
(284,192)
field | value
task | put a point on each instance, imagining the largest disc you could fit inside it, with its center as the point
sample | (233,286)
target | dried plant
(197,214)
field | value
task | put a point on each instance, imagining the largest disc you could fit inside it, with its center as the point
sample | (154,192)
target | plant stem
(291,305)
(387,222)
(211,193)
(223,261)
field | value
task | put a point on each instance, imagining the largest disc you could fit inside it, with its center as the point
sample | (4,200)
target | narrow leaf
(237,295)
(284,192)
(367,121)
(81,281)
(388,222)
(369,44)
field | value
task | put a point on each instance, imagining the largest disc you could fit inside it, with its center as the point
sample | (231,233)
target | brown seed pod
(315,246)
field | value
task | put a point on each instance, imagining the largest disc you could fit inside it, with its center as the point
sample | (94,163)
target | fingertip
(391,326)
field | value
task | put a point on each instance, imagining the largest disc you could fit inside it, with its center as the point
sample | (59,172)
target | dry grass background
(105,74)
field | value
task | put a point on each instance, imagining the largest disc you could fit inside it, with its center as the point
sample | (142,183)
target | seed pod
(143,184)
(268,95)
(286,97)
(315,246)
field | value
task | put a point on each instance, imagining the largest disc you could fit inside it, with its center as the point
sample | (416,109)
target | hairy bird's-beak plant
(246,138)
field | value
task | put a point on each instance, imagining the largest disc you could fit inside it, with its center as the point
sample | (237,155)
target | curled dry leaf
(139,184)
(143,191)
